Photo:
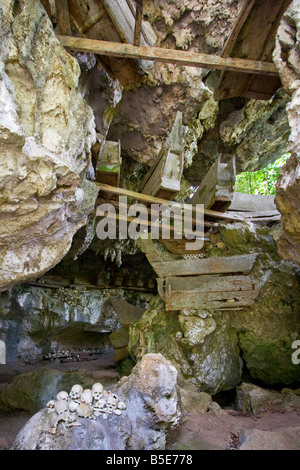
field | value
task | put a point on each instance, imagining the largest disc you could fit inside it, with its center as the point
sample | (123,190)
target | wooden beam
(193,267)
(138,22)
(192,59)
(155,200)
(63,17)
(246,8)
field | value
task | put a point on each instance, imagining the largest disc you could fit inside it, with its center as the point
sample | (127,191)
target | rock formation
(151,400)
(286,58)
(46,134)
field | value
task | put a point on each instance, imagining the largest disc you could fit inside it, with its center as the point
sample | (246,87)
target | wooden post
(138,22)
(63,17)
(192,59)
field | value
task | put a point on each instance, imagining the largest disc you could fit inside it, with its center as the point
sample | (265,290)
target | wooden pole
(63,17)
(192,59)
(138,22)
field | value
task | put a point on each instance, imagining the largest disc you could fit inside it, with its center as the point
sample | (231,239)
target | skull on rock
(61,407)
(97,391)
(87,396)
(51,406)
(62,396)
(76,392)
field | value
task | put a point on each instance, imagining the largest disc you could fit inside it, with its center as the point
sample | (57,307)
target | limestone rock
(152,408)
(194,402)
(46,132)
(283,439)
(252,399)
(205,355)
(54,319)
(287,59)
(287,201)
(267,330)
(31,391)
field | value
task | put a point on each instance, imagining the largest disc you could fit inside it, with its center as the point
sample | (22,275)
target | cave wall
(287,59)
(46,131)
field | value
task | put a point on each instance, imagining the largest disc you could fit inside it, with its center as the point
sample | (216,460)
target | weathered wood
(63,17)
(155,200)
(164,177)
(193,59)
(209,283)
(108,166)
(210,300)
(83,15)
(120,206)
(252,202)
(243,15)
(193,267)
(255,40)
(125,23)
(217,188)
(138,22)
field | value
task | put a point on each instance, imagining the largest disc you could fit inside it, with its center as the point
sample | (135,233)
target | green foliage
(262,181)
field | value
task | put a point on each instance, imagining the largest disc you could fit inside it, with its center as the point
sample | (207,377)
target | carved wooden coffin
(108,165)
(217,188)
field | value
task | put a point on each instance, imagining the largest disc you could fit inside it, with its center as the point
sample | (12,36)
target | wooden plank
(252,202)
(208,283)
(217,188)
(210,300)
(63,17)
(246,8)
(125,22)
(138,22)
(117,205)
(155,200)
(255,40)
(194,267)
(192,59)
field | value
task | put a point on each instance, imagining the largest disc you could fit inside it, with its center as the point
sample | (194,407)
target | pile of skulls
(87,403)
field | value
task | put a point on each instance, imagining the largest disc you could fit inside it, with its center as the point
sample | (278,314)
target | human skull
(76,392)
(87,396)
(99,407)
(97,391)
(112,399)
(73,406)
(84,410)
(51,406)
(61,407)
(100,404)
(122,405)
(62,396)
(109,408)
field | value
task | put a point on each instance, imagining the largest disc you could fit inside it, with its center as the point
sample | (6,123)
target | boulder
(286,57)
(202,347)
(31,391)
(283,439)
(253,399)
(150,393)
(46,133)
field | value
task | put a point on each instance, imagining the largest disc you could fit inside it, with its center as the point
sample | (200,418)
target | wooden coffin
(193,267)
(208,292)
(163,179)
(217,188)
(108,165)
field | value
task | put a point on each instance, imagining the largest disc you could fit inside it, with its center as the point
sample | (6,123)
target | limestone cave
(147,300)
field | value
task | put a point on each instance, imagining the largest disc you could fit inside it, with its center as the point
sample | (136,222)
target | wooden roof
(252,37)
